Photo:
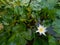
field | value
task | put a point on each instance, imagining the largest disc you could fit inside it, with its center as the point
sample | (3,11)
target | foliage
(19,20)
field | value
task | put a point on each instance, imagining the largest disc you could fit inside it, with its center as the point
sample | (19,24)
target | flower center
(41,29)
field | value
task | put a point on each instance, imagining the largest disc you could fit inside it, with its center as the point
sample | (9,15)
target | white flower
(41,30)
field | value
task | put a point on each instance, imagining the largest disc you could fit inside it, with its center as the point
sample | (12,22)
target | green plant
(19,20)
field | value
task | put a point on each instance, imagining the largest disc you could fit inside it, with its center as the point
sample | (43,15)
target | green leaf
(56,24)
(58,12)
(19,28)
(35,5)
(52,40)
(27,35)
(24,2)
(40,41)
(52,2)
(16,39)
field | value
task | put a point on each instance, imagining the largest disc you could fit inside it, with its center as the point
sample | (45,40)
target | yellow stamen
(41,29)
